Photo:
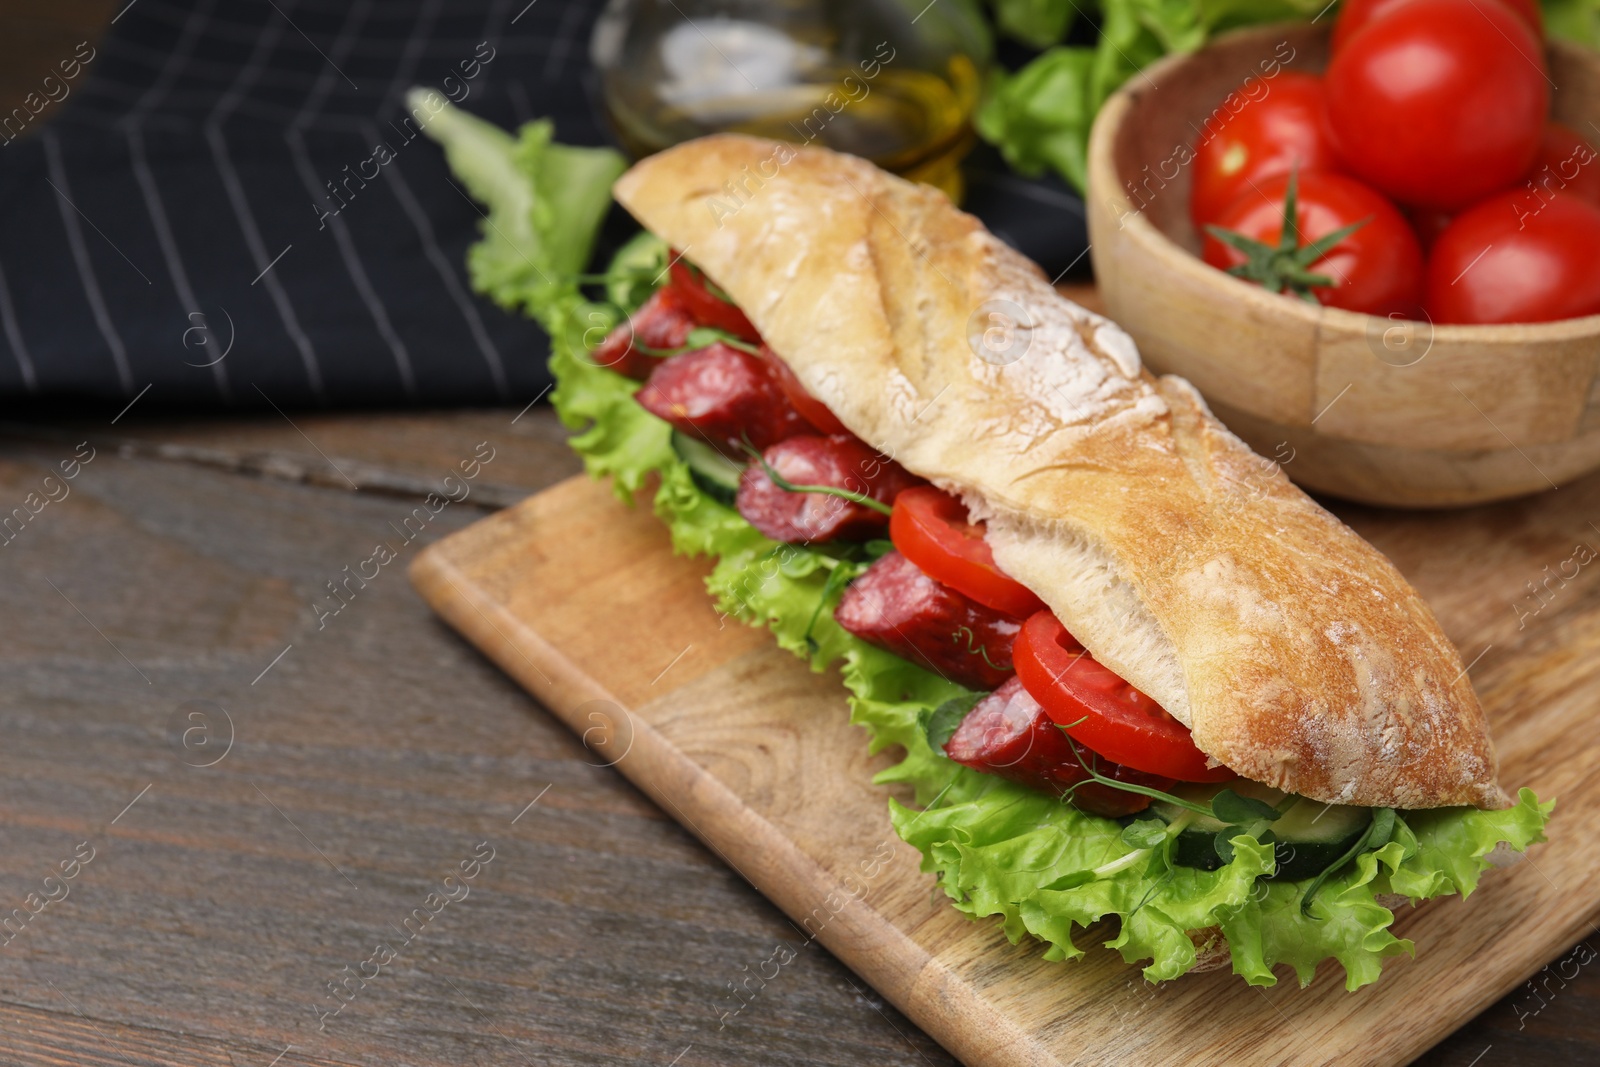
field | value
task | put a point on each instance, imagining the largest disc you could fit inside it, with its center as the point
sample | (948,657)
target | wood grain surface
(380,748)
(581,601)
(206,927)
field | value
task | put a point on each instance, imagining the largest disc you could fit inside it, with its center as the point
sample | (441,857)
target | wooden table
(172,598)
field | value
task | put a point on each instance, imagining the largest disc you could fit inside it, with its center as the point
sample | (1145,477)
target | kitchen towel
(230,208)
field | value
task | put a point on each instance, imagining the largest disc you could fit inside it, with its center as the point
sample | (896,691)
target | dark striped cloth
(230,210)
(178,206)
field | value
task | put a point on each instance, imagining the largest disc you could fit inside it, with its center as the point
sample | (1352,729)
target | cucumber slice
(1312,834)
(716,475)
(1307,837)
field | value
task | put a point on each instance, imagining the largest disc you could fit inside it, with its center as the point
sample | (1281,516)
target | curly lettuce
(1041,867)
(545,201)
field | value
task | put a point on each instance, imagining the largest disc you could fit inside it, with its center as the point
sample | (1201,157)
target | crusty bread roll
(1293,649)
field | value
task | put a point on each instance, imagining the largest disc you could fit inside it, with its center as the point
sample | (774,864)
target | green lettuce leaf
(1039,117)
(1039,23)
(545,202)
(619,439)
(1434,853)
(1004,850)
(1452,843)
(1040,866)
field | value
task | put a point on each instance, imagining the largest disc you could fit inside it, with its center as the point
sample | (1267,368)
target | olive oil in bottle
(869,78)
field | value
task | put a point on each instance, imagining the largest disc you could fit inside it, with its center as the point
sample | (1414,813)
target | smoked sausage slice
(663,322)
(1007,733)
(897,607)
(841,461)
(722,396)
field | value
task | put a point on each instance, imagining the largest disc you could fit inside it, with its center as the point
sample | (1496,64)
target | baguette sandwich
(1136,673)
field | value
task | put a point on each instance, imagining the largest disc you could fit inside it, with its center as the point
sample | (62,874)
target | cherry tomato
(1101,711)
(1567,163)
(1376,270)
(1428,224)
(1514,260)
(1285,129)
(930,528)
(1355,14)
(810,408)
(708,308)
(1440,102)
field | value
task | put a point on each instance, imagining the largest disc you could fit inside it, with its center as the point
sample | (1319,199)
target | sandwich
(1137,677)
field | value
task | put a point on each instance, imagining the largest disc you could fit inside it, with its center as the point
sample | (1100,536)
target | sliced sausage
(897,607)
(841,461)
(722,396)
(1007,733)
(663,322)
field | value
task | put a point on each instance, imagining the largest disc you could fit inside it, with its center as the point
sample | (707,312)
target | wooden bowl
(1356,406)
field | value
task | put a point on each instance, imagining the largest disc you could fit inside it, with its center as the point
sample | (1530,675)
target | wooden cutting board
(580,599)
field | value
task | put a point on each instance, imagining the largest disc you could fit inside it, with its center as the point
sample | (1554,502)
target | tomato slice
(707,307)
(810,408)
(930,528)
(1100,710)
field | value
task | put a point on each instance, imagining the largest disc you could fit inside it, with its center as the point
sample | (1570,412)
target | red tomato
(1428,225)
(810,408)
(1355,14)
(1440,102)
(1376,270)
(1567,163)
(1286,128)
(930,528)
(1101,711)
(1509,260)
(708,308)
